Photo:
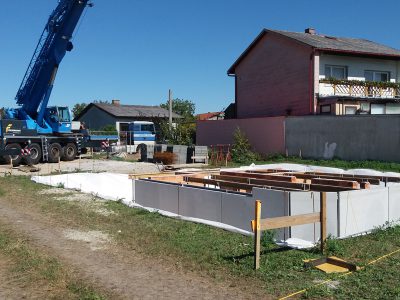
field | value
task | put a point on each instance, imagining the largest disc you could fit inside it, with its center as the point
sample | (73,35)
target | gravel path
(86,165)
(99,260)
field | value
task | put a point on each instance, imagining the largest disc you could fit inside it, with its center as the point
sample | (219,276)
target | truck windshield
(147,127)
(63,114)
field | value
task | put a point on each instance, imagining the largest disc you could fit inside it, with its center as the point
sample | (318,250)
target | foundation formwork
(349,212)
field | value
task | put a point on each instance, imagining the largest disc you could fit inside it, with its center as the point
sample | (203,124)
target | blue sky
(135,50)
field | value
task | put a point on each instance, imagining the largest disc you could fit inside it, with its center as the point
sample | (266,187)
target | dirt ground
(85,164)
(98,260)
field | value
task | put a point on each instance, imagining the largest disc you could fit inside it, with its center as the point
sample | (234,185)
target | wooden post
(257,234)
(323,220)
(59,164)
(170,108)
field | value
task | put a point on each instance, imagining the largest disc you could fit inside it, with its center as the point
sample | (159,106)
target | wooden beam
(260,176)
(262,182)
(236,185)
(288,221)
(336,182)
(323,220)
(257,234)
(366,177)
(285,186)
(328,188)
(373,181)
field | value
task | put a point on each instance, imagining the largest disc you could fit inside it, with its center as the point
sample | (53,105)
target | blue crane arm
(34,92)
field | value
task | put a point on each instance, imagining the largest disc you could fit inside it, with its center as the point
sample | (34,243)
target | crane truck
(34,131)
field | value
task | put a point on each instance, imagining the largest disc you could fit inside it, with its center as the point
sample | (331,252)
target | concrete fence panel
(394,203)
(274,204)
(361,137)
(237,210)
(157,195)
(200,203)
(363,210)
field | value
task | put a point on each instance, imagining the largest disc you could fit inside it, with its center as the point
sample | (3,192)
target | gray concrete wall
(348,213)
(361,137)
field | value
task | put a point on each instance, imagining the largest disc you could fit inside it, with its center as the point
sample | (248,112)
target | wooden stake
(323,220)
(257,234)
(59,164)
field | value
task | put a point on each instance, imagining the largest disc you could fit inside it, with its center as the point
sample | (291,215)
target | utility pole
(170,108)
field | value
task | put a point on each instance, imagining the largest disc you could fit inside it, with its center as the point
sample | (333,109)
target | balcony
(359,89)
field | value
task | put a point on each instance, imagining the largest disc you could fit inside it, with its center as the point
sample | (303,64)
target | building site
(151,151)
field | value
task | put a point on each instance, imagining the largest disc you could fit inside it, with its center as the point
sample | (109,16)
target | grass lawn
(40,274)
(335,163)
(226,256)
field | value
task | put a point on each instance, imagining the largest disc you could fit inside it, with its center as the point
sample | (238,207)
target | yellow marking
(8,127)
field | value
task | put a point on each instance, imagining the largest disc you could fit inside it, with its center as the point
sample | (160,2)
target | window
(377,76)
(364,106)
(350,110)
(392,108)
(377,109)
(147,127)
(325,109)
(337,72)
(63,114)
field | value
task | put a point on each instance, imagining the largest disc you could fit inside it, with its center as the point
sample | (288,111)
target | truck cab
(136,135)
(59,119)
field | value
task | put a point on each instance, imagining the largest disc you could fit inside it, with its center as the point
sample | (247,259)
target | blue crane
(35,90)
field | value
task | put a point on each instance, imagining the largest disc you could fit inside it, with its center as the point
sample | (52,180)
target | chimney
(116,102)
(310,31)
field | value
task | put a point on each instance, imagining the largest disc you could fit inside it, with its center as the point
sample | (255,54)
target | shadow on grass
(251,254)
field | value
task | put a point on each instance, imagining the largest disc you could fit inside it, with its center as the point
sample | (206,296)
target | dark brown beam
(260,176)
(354,185)
(263,182)
(337,176)
(366,177)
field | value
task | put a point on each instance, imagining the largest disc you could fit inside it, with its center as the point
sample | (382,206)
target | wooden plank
(373,181)
(365,185)
(237,185)
(257,234)
(366,177)
(269,171)
(286,186)
(323,220)
(262,182)
(328,188)
(281,222)
(260,176)
(336,182)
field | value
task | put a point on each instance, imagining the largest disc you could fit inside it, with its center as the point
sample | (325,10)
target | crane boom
(35,89)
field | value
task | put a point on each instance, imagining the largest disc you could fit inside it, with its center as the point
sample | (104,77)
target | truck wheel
(69,152)
(16,159)
(55,152)
(36,154)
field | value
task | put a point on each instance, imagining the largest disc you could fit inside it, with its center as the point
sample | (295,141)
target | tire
(36,154)
(16,159)
(55,152)
(69,152)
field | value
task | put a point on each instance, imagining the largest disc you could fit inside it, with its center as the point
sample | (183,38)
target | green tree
(102,101)
(78,108)
(180,134)
(182,107)
(241,149)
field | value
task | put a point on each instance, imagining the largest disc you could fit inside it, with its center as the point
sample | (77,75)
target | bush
(179,134)
(241,149)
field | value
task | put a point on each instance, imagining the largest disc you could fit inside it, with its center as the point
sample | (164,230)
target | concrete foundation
(348,213)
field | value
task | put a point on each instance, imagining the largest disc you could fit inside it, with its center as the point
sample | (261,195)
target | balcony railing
(356,88)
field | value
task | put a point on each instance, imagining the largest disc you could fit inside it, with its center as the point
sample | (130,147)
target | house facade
(290,73)
(97,116)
